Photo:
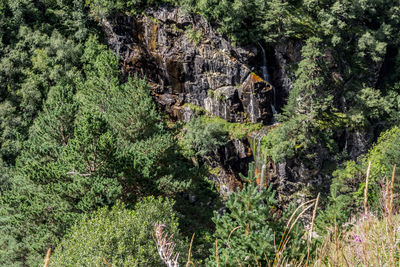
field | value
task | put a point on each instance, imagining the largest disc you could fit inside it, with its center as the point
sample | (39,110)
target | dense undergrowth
(84,150)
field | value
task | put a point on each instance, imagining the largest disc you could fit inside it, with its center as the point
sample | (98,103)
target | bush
(194,35)
(205,138)
(104,8)
(123,237)
(347,189)
(277,144)
(250,233)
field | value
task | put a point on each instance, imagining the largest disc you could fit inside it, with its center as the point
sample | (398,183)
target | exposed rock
(186,61)
(225,182)
(286,55)
(240,148)
(230,161)
(357,143)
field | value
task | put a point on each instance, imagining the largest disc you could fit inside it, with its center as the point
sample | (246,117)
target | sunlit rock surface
(186,61)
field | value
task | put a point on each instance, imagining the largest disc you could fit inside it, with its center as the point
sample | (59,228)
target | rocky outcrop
(187,62)
(188,65)
(228,163)
(286,55)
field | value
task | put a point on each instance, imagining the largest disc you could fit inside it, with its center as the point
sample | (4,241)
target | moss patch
(236,130)
(196,109)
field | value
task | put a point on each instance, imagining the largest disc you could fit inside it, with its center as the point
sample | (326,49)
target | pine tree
(307,117)
(249,231)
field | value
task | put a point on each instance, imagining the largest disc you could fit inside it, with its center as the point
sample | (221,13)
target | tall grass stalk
(366,217)
(216,252)
(189,260)
(366,189)
(336,242)
(106,262)
(165,246)
(285,237)
(372,240)
(390,217)
(227,243)
(311,229)
(47,259)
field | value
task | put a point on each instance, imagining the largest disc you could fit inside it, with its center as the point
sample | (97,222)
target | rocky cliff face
(190,66)
(286,55)
(187,62)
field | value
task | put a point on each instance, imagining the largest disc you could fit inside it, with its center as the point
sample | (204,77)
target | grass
(47,258)
(236,130)
(196,109)
(194,35)
(372,241)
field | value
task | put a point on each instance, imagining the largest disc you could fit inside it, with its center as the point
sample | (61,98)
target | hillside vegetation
(92,168)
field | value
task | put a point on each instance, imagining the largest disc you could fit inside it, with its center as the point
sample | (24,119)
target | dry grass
(373,240)
(47,259)
(366,189)
(279,260)
(166,246)
(369,243)
(106,262)
(311,230)
(189,260)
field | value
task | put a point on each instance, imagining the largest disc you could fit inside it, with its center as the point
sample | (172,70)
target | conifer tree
(249,231)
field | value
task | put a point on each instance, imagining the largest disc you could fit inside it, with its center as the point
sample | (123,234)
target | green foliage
(123,237)
(333,90)
(104,8)
(277,145)
(338,210)
(76,135)
(392,105)
(378,232)
(194,35)
(205,138)
(247,21)
(86,150)
(55,182)
(235,130)
(304,119)
(250,230)
(40,47)
(144,149)
(197,109)
(132,112)
(370,107)
(206,134)
(310,80)
(54,126)
(347,189)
